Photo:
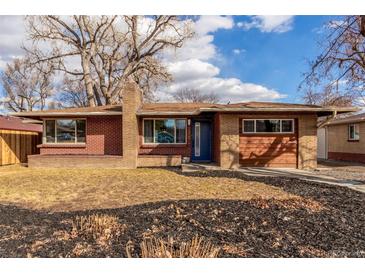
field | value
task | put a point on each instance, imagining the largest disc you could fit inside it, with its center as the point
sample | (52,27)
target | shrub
(198,247)
(96,226)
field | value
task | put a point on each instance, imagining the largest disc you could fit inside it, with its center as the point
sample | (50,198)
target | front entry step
(191,167)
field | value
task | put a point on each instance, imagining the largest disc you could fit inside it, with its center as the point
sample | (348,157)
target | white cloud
(205,77)
(12,35)
(201,45)
(238,51)
(192,69)
(269,23)
(212,23)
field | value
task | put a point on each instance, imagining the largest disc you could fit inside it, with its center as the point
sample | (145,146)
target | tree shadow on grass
(256,228)
(332,195)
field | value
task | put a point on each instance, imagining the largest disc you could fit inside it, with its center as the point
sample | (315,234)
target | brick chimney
(132,100)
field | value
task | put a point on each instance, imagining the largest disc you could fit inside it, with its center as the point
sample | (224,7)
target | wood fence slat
(16,145)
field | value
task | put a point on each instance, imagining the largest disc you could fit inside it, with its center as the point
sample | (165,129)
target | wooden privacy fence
(16,145)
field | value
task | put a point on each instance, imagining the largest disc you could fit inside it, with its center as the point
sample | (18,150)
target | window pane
(248,126)
(164,131)
(354,133)
(287,125)
(81,131)
(180,130)
(65,131)
(357,132)
(351,132)
(50,131)
(148,131)
(267,125)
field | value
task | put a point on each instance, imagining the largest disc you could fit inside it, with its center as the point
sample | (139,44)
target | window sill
(61,145)
(352,141)
(162,145)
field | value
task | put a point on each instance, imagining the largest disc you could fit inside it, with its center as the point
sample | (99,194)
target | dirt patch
(342,170)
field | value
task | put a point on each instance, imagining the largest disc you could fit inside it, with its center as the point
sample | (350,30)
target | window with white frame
(64,131)
(268,125)
(354,132)
(164,131)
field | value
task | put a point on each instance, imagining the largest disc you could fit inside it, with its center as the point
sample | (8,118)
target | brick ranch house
(343,139)
(166,134)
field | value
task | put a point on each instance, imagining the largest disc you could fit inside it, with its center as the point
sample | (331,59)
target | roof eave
(280,109)
(65,114)
(200,110)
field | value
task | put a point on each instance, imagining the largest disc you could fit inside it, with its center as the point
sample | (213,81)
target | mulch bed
(329,223)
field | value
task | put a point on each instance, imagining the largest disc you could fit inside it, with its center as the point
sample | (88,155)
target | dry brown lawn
(84,189)
(110,212)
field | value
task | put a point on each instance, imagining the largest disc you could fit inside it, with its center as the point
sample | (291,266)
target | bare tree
(107,50)
(26,87)
(328,97)
(189,95)
(339,71)
(72,93)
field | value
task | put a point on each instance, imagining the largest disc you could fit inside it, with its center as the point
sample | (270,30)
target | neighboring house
(166,134)
(343,139)
(17,140)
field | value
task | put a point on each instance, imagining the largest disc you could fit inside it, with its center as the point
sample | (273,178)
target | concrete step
(191,167)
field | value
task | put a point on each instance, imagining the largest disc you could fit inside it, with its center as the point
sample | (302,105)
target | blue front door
(201,141)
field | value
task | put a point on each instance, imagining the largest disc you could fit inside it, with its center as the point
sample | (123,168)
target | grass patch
(198,247)
(84,189)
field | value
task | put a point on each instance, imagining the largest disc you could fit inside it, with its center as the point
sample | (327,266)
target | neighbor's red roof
(14,123)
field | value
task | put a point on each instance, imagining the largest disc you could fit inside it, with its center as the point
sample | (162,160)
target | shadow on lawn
(256,228)
(331,195)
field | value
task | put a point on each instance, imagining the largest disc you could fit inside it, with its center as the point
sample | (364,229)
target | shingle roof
(185,109)
(14,123)
(196,108)
(98,110)
(360,117)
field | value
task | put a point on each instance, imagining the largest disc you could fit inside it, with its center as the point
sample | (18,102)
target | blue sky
(240,58)
(272,59)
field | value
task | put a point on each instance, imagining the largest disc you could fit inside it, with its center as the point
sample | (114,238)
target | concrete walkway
(303,174)
(282,172)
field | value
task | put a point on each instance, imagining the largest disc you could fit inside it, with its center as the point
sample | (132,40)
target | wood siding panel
(16,145)
(268,150)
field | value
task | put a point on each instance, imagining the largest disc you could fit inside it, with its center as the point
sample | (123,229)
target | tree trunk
(88,81)
(97,96)
(362,25)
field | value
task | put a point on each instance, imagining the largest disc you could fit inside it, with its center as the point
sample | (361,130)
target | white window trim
(254,126)
(356,129)
(155,143)
(44,139)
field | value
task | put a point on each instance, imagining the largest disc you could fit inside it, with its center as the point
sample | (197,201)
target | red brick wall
(103,137)
(165,149)
(343,156)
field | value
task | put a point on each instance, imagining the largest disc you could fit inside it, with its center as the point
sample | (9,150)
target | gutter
(65,114)
(198,111)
